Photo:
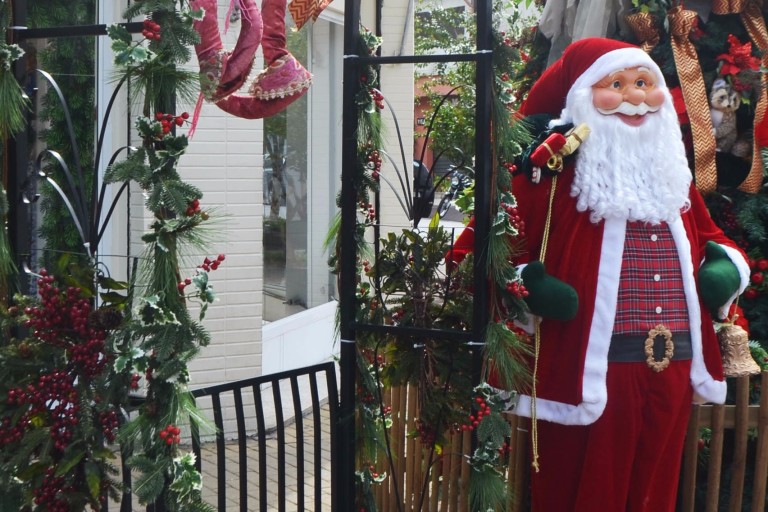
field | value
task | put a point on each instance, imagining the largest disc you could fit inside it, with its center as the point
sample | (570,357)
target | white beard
(633,173)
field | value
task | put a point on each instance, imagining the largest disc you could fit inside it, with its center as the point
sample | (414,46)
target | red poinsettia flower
(696,32)
(738,58)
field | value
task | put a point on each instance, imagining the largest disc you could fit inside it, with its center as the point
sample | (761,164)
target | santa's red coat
(573,356)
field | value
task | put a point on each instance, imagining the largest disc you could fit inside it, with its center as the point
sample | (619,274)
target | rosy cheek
(605,98)
(654,97)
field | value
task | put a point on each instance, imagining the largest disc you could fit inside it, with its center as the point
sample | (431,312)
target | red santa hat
(583,64)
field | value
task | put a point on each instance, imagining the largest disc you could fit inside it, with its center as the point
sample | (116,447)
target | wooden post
(761,455)
(690,458)
(740,443)
(715,457)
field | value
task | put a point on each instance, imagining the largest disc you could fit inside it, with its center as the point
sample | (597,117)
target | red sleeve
(706,228)
(463,245)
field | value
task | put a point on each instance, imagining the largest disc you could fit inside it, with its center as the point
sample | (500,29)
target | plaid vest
(651,285)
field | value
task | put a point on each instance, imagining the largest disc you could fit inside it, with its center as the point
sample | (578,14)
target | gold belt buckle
(669,348)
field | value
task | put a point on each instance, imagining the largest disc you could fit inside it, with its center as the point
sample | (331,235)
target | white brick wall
(224,160)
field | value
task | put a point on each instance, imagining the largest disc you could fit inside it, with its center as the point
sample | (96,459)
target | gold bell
(734,346)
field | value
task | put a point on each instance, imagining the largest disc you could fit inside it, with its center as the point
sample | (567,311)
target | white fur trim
(594,391)
(703,383)
(741,265)
(615,60)
(612,61)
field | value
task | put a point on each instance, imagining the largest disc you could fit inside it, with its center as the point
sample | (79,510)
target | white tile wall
(224,160)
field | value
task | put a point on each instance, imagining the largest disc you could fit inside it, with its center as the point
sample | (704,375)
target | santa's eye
(616,84)
(641,83)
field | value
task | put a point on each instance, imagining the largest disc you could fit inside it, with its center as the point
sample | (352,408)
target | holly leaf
(93,477)
(111,284)
(118,33)
(113,298)
(71,458)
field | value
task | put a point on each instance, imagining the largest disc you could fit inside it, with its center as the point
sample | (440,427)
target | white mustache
(629,109)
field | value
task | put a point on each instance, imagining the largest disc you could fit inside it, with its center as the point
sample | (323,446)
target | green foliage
(155,67)
(71,62)
(59,401)
(449,30)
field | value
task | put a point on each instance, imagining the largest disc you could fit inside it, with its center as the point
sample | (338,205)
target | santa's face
(633,164)
(630,94)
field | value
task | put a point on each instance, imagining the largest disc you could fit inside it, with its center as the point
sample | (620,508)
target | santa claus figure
(633,272)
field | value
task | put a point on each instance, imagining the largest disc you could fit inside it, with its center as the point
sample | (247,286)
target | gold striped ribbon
(752,18)
(302,10)
(695,95)
(644,27)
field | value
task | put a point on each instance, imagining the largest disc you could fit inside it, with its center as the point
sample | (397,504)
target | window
(300,176)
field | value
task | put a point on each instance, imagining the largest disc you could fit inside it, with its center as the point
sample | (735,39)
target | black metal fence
(272,444)
(274,434)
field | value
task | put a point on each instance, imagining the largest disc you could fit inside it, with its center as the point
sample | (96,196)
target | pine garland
(407,285)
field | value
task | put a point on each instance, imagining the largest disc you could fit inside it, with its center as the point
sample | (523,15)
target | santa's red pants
(629,459)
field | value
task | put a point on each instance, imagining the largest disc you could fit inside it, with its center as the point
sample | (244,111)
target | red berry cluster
(366,398)
(208,265)
(378,98)
(51,495)
(135,378)
(193,208)
(514,219)
(473,420)
(62,320)
(378,358)
(151,30)
(12,434)
(398,315)
(372,471)
(374,163)
(517,289)
(368,211)
(166,120)
(39,399)
(170,434)
(109,423)
(366,266)
(758,279)
(512,168)
(509,324)
(362,292)
(504,449)
(426,432)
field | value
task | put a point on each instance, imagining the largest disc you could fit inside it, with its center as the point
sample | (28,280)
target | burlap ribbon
(752,17)
(644,27)
(695,95)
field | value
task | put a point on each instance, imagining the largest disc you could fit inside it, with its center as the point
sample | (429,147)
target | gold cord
(537,336)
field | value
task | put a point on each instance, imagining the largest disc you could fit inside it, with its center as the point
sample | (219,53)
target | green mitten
(718,277)
(548,297)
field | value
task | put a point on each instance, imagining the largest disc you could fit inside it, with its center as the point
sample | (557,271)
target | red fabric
(649,251)
(547,96)
(629,459)
(573,256)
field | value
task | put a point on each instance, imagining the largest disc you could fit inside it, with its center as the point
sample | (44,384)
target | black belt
(630,348)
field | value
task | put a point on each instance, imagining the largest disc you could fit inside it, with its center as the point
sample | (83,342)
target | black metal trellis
(345,468)
(353,63)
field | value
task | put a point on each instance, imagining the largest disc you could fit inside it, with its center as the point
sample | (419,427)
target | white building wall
(224,160)
(397,87)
